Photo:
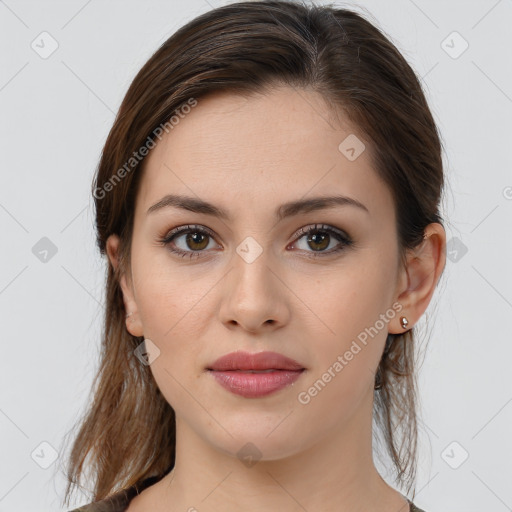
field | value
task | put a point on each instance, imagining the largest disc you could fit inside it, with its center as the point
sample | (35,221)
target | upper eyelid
(302,231)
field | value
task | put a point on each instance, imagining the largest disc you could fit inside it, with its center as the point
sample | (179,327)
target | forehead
(263,149)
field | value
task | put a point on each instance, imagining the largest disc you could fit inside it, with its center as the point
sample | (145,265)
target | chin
(252,441)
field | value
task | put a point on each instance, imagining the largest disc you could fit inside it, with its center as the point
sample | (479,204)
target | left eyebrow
(288,209)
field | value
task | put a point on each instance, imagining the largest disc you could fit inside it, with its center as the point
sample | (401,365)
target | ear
(418,279)
(133,323)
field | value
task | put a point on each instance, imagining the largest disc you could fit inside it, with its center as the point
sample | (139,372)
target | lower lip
(254,385)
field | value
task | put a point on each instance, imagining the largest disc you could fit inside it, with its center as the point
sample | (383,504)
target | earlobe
(132,319)
(133,323)
(419,279)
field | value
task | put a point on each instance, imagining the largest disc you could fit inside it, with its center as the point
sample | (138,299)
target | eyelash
(345,240)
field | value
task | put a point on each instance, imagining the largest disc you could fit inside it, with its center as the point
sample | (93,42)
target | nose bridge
(251,269)
(254,294)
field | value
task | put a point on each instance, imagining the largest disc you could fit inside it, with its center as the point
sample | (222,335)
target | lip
(234,372)
(241,360)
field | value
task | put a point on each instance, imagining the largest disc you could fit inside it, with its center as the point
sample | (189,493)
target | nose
(254,296)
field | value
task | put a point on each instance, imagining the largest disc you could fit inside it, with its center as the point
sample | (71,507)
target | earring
(128,315)
(404,322)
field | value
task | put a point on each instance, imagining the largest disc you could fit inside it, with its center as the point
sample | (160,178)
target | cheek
(170,311)
(175,308)
(169,297)
(350,315)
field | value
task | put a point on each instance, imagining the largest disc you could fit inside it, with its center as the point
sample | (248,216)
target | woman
(268,201)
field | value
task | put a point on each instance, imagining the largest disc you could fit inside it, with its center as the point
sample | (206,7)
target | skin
(248,156)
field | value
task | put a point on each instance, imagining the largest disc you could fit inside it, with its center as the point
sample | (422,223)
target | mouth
(257,371)
(255,375)
(268,370)
(255,362)
(255,384)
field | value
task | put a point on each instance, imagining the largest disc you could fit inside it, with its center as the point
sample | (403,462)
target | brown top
(119,501)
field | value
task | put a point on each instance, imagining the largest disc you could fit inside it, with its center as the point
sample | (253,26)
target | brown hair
(128,432)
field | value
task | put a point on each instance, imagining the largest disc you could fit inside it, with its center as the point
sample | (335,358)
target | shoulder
(119,501)
(414,508)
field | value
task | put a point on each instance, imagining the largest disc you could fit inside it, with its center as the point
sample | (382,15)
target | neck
(336,473)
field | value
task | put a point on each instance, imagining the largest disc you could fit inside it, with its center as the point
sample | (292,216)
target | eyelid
(300,232)
(185,227)
(341,236)
(321,227)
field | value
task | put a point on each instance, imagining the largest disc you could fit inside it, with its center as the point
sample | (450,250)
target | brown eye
(196,241)
(188,241)
(318,241)
(319,237)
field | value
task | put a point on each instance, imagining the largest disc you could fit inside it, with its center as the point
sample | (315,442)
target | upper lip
(241,360)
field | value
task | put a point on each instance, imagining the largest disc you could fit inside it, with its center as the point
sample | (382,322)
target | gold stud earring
(404,322)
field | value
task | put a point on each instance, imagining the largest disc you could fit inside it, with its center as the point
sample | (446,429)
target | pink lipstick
(255,375)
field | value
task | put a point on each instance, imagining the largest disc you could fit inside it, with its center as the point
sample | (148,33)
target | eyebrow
(196,205)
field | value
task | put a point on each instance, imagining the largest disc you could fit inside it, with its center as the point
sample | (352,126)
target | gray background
(55,115)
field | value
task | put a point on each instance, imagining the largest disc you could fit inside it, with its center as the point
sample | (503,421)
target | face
(254,281)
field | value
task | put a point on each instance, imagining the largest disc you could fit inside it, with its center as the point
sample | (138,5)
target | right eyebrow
(288,209)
